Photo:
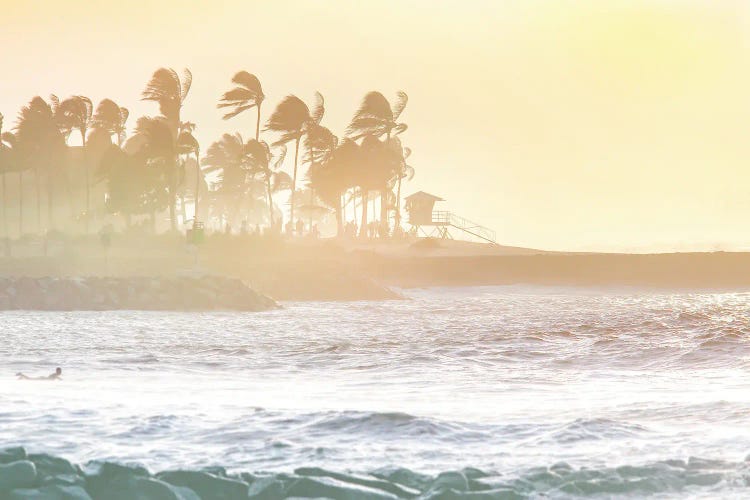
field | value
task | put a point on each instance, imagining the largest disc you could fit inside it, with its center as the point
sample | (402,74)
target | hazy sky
(581,125)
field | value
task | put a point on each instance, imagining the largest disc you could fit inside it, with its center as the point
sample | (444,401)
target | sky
(570,125)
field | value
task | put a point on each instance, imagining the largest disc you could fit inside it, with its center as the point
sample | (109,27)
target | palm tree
(247,94)
(8,163)
(320,143)
(169,92)
(260,161)
(134,187)
(153,141)
(39,142)
(332,177)
(111,118)
(292,118)
(405,172)
(227,157)
(5,166)
(75,113)
(377,117)
(186,144)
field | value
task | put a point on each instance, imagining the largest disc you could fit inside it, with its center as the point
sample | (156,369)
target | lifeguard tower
(436,223)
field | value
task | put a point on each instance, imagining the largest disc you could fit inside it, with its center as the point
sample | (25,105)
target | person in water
(54,376)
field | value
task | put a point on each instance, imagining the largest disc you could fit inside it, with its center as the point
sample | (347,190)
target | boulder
(54,492)
(14,475)
(207,486)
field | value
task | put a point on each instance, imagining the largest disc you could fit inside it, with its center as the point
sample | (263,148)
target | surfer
(54,376)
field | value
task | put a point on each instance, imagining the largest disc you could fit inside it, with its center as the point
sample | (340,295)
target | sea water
(539,391)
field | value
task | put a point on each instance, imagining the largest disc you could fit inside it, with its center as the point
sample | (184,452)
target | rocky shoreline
(40,476)
(204,293)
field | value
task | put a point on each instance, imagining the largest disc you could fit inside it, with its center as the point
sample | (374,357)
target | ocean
(522,391)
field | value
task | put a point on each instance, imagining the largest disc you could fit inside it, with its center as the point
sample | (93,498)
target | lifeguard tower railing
(449,219)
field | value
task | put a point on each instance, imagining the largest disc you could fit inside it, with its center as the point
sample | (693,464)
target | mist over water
(546,390)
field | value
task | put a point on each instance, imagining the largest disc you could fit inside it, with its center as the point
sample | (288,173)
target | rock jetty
(205,293)
(40,477)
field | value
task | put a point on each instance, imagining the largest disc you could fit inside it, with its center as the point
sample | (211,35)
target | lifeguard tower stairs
(441,224)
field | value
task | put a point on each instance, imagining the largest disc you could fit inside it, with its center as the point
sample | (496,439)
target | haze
(562,125)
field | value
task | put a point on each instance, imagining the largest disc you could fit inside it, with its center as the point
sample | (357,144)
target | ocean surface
(540,391)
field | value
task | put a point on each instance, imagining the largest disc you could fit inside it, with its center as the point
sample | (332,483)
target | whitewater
(523,391)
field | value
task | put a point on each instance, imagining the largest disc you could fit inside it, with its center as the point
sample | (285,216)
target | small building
(420,206)
(429,222)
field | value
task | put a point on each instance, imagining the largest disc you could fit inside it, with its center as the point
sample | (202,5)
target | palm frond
(398,107)
(187,82)
(289,117)
(318,108)
(237,111)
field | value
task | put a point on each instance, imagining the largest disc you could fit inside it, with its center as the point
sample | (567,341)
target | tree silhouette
(39,142)
(260,161)
(331,177)
(149,167)
(75,114)
(374,118)
(227,158)
(111,118)
(5,168)
(169,92)
(247,94)
(292,118)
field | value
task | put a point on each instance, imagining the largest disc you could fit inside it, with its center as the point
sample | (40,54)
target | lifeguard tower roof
(421,195)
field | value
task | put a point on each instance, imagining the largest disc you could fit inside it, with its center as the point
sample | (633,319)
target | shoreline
(340,270)
(696,271)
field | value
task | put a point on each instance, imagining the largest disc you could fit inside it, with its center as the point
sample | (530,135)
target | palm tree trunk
(363,227)
(5,208)
(384,199)
(398,203)
(38,202)
(257,124)
(88,182)
(339,218)
(172,200)
(354,204)
(312,202)
(20,203)
(197,185)
(270,199)
(294,178)
(50,214)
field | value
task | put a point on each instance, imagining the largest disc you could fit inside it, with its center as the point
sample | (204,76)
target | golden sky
(580,125)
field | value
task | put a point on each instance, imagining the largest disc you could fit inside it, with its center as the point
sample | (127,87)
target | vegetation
(72,153)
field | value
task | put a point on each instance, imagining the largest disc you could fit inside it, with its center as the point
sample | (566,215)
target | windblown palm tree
(75,114)
(9,163)
(292,118)
(406,171)
(134,187)
(260,161)
(246,95)
(227,157)
(331,177)
(169,92)
(377,117)
(111,118)
(5,167)
(153,141)
(187,144)
(39,144)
